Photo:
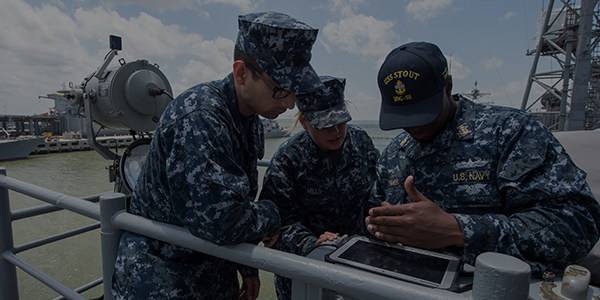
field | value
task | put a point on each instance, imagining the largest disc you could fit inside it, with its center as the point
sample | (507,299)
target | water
(76,261)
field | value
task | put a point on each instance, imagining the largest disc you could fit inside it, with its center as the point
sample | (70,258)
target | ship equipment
(130,96)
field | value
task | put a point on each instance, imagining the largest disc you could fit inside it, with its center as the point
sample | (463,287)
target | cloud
(147,37)
(171,5)
(144,34)
(361,35)
(243,5)
(44,47)
(491,63)
(423,10)
(457,69)
(510,94)
(39,45)
(346,8)
(158,5)
(364,107)
(215,61)
(509,15)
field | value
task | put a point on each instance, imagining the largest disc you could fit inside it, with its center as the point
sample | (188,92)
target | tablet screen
(401,261)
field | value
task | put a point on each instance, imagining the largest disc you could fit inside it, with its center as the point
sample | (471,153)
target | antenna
(475,94)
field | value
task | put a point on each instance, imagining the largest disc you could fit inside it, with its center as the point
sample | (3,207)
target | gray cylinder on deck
(500,276)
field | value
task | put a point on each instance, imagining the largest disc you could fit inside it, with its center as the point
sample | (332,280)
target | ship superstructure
(568,35)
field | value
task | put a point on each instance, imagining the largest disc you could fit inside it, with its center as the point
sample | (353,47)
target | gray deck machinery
(130,96)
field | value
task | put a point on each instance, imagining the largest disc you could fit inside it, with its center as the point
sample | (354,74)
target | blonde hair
(296,119)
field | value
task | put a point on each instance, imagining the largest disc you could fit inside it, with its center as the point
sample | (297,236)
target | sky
(45,45)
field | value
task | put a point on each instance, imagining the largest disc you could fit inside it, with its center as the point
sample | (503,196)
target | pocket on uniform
(473,184)
(476,195)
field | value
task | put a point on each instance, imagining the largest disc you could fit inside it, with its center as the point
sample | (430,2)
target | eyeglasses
(278,93)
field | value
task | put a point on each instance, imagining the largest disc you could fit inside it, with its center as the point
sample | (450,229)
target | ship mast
(569,35)
(475,94)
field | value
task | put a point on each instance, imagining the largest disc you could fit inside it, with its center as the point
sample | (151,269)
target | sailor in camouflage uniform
(321,177)
(473,178)
(201,168)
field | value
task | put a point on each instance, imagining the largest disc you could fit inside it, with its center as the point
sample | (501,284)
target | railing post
(500,276)
(9,289)
(110,203)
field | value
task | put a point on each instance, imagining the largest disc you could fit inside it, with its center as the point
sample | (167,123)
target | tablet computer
(415,265)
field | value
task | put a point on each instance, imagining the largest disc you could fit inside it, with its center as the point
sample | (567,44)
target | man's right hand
(420,224)
(270,240)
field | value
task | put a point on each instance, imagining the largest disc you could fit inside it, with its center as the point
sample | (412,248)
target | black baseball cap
(412,81)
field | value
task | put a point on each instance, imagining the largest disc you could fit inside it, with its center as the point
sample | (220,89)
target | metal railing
(9,259)
(113,219)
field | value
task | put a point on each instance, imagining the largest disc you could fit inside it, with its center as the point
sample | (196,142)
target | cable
(158,91)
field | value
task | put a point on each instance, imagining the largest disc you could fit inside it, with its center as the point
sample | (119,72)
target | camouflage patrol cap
(326,107)
(281,46)
(412,79)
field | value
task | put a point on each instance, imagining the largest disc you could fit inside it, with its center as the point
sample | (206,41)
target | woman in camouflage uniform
(321,177)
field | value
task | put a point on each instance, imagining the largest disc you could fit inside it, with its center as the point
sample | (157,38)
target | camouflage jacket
(506,179)
(200,173)
(314,194)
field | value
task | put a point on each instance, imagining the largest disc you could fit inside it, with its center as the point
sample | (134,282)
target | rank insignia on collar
(463,129)
(404,141)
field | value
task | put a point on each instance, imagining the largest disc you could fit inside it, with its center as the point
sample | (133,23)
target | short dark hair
(247,59)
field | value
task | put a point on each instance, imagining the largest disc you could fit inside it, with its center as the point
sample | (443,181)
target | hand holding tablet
(402,262)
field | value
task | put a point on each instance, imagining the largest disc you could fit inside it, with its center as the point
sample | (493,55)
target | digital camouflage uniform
(313,193)
(201,173)
(506,179)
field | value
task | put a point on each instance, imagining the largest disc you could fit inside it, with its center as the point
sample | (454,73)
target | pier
(31,125)
(74,142)
(50,126)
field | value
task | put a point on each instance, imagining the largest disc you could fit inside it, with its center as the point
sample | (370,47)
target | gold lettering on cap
(402,98)
(401,74)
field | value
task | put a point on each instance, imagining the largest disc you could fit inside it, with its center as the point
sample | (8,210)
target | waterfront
(76,261)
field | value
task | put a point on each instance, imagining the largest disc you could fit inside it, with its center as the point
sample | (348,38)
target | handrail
(8,278)
(83,288)
(44,209)
(55,238)
(71,203)
(41,276)
(359,284)
(114,219)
